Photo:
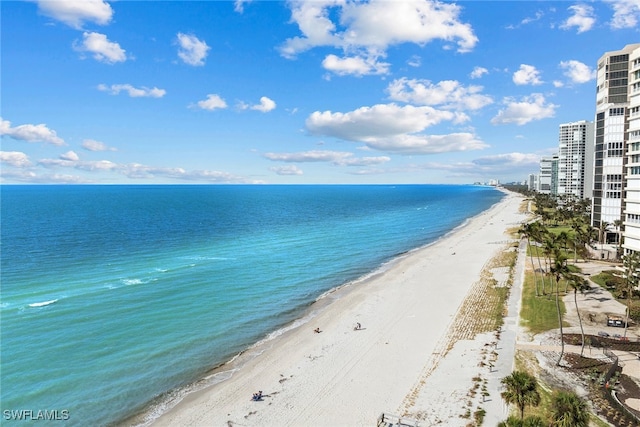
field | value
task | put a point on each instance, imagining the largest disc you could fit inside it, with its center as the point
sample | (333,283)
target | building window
(614,149)
(633,218)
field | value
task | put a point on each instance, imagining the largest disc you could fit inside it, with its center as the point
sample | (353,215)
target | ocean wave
(162,404)
(43,303)
(207,258)
(130,282)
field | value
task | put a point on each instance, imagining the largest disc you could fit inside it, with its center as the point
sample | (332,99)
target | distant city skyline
(296,92)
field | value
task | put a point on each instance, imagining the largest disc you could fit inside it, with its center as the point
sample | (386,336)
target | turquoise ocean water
(112,296)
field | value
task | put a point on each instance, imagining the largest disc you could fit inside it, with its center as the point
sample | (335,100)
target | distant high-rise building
(547,179)
(575,160)
(612,102)
(631,224)
(532,182)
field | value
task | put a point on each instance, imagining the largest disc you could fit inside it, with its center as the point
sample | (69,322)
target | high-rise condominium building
(575,160)
(547,179)
(532,182)
(612,102)
(631,241)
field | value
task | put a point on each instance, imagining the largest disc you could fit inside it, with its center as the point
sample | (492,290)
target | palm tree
(568,410)
(631,263)
(559,269)
(617,223)
(530,421)
(578,284)
(538,232)
(528,230)
(602,233)
(563,239)
(521,390)
(576,225)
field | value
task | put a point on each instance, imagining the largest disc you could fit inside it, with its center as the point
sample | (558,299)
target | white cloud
(192,50)
(133,91)
(530,108)
(518,164)
(383,120)
(529,19)
(539,14)
(356,65)
(390,128)
(15,158)
(29,176)
(93,145)
(30,133)
(140,171)
(339,158)
(449,94)
(286,170)
(265,105)
(626,13)
(414,61)
(428,144)
(371,27)
(102,49)
(70,155)
(130,170)
(75,12)
(509,160)
(71,160)
(577,71)
(478,72)
(212,102)
(582,18)
(238,5)
(527,75)
(98,165)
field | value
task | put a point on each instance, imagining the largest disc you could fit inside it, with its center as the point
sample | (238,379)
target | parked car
(603,334)
(615,321)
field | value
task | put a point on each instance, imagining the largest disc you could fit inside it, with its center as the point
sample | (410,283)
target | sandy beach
(402,361)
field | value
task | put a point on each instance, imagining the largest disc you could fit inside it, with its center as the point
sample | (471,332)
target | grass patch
(538,313)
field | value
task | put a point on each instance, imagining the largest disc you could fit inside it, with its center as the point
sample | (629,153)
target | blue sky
(324,91)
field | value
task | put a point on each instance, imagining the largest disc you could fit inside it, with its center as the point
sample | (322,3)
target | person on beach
(257,396)
(316,330)
(358,326)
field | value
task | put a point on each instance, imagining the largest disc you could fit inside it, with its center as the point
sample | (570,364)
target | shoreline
(291,365)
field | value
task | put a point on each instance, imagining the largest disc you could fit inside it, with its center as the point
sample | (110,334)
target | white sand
(348,378)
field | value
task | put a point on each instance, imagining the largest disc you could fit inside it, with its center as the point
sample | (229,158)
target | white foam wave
(43,303)
(208,258)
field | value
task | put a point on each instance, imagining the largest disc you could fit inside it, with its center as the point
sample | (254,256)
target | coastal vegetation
(558,239)
(563,408)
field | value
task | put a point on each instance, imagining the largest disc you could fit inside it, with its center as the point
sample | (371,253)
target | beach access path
(404,360)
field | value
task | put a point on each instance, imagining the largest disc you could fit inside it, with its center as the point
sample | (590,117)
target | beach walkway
(496,409)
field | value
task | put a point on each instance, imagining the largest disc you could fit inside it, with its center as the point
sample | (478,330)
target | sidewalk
(496,409)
